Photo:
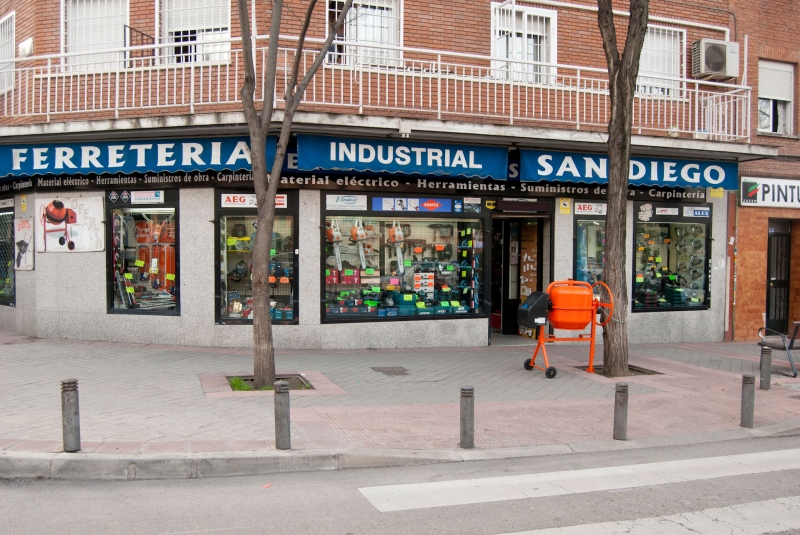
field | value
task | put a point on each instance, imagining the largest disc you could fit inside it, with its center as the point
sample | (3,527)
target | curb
(113,467)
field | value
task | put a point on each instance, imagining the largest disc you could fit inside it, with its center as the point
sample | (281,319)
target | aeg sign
(247,200)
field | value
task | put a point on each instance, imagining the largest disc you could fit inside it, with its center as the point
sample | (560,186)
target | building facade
(767,281)
(447,161)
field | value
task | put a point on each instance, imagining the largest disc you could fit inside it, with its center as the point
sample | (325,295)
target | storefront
(376,243)
(767,288)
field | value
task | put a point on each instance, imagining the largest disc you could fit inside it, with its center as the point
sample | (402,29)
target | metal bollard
(621,412)
(748,400)
(766,367)
(283,425)
(70,416)
(467,417)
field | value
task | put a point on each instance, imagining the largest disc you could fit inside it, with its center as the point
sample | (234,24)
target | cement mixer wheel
(550,372)
(527,364)
(608,306)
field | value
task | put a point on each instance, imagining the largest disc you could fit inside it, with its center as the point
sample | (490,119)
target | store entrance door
(778,275)
(516,264)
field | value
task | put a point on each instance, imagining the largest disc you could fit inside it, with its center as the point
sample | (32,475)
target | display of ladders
(130,291)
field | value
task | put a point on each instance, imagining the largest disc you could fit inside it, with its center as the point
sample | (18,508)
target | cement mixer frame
(572,312)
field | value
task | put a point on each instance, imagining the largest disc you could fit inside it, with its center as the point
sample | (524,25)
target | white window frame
(91,61)
(775,100)
(215,54)
(649,84)
(361,55)
(7,65)
(505,69)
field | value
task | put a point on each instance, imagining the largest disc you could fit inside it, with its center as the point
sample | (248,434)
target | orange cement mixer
(569,305)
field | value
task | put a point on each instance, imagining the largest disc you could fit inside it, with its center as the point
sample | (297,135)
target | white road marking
(756,518)
(494,489)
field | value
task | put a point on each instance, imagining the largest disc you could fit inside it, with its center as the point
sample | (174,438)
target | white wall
(659,326)
(65,297)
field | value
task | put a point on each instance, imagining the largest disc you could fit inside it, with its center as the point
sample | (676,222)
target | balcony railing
(207,76)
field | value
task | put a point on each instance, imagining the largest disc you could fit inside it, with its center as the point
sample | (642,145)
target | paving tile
(165,447)
(125,402)
(209,446)
(8,442)
(36,445)
(251,445)
(120,447)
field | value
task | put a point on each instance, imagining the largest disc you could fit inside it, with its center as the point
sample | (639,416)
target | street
(490,497)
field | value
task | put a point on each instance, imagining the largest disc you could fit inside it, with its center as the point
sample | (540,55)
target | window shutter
(7,52)
(94,26)
(661,53)
(775,80)
(188,15)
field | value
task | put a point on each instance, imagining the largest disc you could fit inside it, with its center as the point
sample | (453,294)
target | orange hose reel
(573,307)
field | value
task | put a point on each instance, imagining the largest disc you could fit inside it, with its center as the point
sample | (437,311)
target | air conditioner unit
(713,59)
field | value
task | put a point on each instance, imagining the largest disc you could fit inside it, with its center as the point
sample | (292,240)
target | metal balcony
(207,76)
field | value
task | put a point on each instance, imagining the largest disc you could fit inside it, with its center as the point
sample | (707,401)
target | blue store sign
(140,156)
(545,166)
(406,157)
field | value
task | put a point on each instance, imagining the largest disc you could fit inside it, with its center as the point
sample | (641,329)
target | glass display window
(7,257)
(237,226)
(237,237)
(380,268)
(590,250)
(144,259)
(671,258)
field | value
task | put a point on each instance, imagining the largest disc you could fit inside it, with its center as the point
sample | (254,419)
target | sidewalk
(169,403)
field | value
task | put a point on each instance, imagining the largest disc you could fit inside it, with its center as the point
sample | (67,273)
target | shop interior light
(149,210)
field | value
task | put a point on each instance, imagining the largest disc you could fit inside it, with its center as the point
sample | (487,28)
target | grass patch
(240,385)
(243,385)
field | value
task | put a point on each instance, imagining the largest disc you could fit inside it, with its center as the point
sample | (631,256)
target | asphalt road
(491,495)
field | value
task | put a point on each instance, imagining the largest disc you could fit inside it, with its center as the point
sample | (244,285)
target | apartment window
(7,41)
(775,97)
(369,26)
(661,60)
(193,26)
(524,37)
(92,26)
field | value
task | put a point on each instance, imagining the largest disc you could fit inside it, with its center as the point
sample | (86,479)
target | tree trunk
(615,336)
(622,74)
(263,348)
(266,185)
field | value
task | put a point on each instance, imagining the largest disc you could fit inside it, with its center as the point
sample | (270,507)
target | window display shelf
(411,268)
(237,233)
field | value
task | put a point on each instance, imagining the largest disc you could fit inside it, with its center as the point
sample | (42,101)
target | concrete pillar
(70,416)
(621,412)
(748,400)
(283,425)
(467,417)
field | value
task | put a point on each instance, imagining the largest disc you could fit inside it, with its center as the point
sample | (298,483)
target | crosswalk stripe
(493,489)
(755,518)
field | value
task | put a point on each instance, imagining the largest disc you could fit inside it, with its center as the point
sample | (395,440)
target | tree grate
(391,370)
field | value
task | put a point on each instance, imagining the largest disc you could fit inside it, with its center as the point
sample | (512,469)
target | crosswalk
(770,516)
(756,518)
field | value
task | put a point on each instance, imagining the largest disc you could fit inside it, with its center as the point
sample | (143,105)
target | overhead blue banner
(135,156)
(548,166)
(407,157)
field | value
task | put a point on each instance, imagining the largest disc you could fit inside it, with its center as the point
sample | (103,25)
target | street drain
(391,370)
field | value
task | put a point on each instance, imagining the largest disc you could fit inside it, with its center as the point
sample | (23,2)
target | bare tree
(622,73)
(266,185)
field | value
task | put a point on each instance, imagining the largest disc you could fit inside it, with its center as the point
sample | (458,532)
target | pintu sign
(593,169)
